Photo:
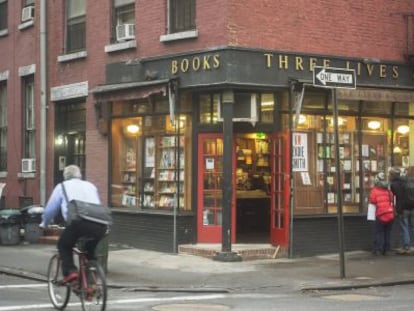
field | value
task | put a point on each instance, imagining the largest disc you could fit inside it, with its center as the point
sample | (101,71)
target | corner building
(192,117)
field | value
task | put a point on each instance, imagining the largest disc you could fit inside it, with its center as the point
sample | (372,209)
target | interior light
(397,149)
(132,128)
(374,124)
(403,129)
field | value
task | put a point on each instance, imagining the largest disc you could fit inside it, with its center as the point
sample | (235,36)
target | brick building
(200,121)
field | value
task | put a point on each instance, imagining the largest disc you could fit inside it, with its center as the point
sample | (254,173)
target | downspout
(43,101)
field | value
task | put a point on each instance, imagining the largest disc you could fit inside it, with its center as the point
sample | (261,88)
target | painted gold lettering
(283,62)
(206,62)
(216,61)
(196,63)
(359,67)
(383,71)
(370,69)
(312,63)
(174,67)
(268,58)
(326,62)
(184,65)
(395,72)
(299,63)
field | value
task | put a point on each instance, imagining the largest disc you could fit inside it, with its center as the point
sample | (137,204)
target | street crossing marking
(22,286)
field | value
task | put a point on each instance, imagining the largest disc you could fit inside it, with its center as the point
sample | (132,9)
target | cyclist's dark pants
(93,231)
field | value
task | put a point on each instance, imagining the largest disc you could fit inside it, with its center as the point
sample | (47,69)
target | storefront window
(401,143)
(151,162)
(267,107)
(316,186)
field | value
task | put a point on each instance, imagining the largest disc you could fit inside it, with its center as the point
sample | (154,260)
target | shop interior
(253,188)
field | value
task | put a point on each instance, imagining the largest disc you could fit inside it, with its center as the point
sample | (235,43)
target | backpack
(409,192)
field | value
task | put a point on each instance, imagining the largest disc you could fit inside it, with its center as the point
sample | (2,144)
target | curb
(357,286)
(133,288)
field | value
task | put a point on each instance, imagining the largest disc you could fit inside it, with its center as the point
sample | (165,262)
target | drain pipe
(43,101)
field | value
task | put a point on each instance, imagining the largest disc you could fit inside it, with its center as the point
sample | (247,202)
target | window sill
(3,174)
(71,56)
(4,32)
(26,175)
(179,36)
(119,46)
(26,25)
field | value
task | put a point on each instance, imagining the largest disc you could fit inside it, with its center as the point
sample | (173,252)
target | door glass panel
(212,181)
(278,184)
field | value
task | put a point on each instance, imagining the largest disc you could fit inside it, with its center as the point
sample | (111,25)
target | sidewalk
(154,271)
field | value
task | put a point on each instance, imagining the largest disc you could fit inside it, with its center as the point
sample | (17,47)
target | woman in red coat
(383,198)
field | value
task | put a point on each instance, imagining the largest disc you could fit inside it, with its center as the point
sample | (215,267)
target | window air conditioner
(244,110)
(125,32)
(28,165)
(28,13)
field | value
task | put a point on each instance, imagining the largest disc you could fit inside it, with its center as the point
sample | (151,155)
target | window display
(150,165)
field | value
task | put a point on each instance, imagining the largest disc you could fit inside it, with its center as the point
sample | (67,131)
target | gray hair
(72,171)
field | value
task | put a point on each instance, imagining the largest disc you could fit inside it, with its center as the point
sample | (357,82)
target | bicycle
(90,285)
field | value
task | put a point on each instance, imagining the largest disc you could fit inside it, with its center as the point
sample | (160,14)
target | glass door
(279,192)
(210,189)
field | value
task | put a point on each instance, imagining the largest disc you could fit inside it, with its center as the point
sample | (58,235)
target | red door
(279,193)
(210,190)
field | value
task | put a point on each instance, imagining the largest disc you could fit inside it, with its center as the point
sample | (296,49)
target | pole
(226,254)
(338,186)
(43,101)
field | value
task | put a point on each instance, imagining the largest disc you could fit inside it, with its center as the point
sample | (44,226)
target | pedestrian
(78,189)
(383,199)
(403,209)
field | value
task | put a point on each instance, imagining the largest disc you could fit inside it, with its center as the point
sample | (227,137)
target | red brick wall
(369,28)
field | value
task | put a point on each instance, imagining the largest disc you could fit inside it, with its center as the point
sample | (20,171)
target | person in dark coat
(383,198)
(404,209)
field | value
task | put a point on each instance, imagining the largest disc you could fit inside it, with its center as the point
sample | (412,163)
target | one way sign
(334,77)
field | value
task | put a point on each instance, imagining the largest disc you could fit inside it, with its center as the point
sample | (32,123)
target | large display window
(372,137)
(151,162)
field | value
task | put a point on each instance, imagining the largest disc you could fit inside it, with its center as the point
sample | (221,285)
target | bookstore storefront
(166,168)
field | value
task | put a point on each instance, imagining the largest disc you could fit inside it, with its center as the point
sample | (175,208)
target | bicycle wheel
(59,294)
(93,291)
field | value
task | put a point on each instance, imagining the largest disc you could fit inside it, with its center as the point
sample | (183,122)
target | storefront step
(246,251)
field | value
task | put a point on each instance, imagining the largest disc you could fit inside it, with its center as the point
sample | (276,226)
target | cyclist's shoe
(89,293)
(70,277)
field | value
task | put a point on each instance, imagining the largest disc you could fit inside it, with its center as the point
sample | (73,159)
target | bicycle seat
(80,244)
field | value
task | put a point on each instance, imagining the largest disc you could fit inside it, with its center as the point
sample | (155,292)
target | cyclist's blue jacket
(75,189)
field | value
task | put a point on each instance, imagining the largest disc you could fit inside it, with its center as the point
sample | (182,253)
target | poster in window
(149,152)
(300,152)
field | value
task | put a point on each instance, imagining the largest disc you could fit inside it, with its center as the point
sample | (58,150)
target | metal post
(43,101)
(338,186)
(226,254)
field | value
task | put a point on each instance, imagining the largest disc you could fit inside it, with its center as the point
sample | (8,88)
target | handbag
(371,212)
(78,210)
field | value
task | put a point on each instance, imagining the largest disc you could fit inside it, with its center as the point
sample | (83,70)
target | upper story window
(75,26)
(124,20)
(29,128)
(3,126)
(181,16)
(27,10)
(3,15)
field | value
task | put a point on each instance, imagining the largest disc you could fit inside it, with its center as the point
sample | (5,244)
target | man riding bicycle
(78,189)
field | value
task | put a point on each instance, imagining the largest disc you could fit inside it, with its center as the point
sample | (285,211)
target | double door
(210,189)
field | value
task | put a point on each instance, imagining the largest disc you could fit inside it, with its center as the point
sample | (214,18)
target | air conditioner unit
(28,13)
(28,165)
(244,109)
(125,32)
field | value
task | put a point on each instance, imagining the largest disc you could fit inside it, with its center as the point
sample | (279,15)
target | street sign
(330,77)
